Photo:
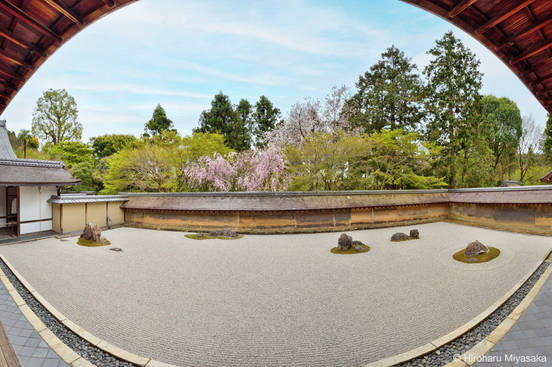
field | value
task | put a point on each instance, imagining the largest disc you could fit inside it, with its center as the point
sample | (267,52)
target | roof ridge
(31,163)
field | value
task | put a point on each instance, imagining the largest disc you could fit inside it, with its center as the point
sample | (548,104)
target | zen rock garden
(92,236)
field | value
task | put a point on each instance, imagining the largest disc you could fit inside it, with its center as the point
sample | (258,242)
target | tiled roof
(6,151)
(16,171)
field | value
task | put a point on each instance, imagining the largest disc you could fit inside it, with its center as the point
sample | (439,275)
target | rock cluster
(223,233)
(345,243)
(414,235)
(93,233)
(476,248)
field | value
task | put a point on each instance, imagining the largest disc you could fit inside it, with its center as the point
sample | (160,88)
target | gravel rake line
(448,352)
(82,347)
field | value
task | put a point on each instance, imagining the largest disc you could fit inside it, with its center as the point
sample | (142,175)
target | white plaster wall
(34,205)
(2,206)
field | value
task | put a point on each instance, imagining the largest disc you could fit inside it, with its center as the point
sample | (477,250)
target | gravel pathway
(274,300)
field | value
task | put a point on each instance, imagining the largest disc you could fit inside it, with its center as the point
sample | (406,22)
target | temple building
(26,185)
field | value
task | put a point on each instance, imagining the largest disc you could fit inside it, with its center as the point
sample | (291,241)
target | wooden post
(18,211)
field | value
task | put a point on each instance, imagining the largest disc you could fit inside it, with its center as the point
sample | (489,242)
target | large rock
(400,237)
(345,242)
(476,248)
(92,232)
(223,233)
(414,234)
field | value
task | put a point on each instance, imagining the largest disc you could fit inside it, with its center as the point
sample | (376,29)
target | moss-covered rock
(88,243)
(481,258)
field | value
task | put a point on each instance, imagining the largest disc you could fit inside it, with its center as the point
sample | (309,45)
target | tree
(504,129)
(547,146)
(55,117)
(454,81)
(528,146)
(107,145)
(383,160)
(261,170)
(310,116)
(265,118)
(159,122)
(240,135)
(70,152)
(389,95)
(223,119)
(146,168)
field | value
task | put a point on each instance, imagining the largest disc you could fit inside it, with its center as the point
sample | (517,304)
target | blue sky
(181,52)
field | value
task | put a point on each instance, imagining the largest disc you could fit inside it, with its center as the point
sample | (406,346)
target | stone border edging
(66,353)
(485,345)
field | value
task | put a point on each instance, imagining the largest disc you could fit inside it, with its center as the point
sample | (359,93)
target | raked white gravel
(274,300)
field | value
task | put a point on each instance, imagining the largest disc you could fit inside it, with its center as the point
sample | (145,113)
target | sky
(180,53)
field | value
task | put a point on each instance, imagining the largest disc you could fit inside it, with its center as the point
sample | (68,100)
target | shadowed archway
(519,32)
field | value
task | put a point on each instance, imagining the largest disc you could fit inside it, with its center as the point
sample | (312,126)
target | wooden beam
(536,50)
(10,75)
(503,16)
(15,61)
(65,10)
(13,39)
(525,32)
(460,7)
(30,20)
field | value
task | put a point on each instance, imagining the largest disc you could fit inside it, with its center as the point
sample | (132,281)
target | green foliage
(159,122)
(55,117)
(18,142)
(390,95)
(548,139)
(107,145)
(383,160)
(454,81)
(533,175)
(146,168)
(70,152)
(265,118)
(223,119)
(504,130)
(239,124)
(157,164)
(79,159)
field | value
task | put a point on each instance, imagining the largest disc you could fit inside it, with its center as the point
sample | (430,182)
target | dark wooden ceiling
(519,32)
(32,30)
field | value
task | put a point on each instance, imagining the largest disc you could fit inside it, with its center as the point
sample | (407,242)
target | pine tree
(454,82)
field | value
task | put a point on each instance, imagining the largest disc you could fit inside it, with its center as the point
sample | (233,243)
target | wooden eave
(519,32)
(32,30)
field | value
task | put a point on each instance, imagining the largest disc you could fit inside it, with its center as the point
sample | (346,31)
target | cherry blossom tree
(262,170)
(313,116)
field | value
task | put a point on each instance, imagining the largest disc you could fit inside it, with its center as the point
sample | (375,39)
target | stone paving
(530,336)
(274,300)
(31,350)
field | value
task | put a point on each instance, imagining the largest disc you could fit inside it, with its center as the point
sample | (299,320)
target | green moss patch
(351,251)
(88,243)
(197,236)
(483,258)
